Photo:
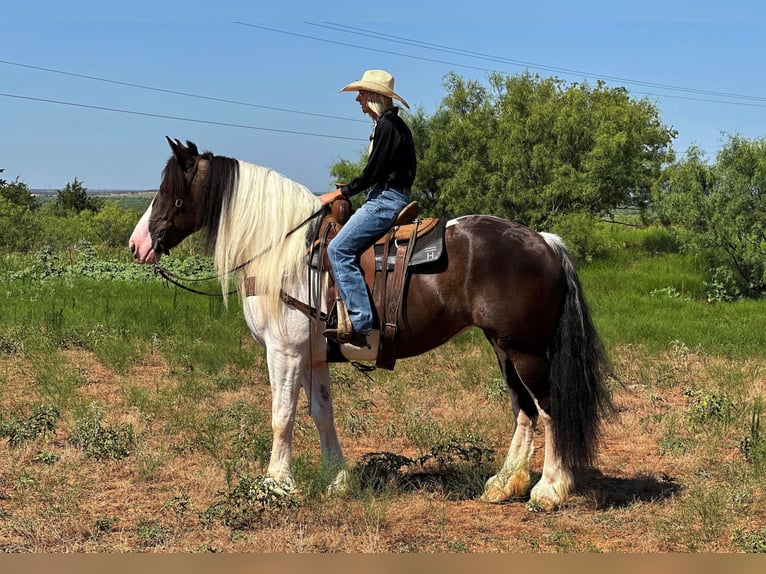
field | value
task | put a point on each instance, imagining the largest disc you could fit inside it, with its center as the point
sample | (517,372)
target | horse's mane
(249,212)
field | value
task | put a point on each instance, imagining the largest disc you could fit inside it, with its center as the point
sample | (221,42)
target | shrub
(42,422)
(99,441)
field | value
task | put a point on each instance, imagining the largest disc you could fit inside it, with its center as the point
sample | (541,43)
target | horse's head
(175,211)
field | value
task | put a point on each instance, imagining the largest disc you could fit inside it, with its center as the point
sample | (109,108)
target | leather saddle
(409,245)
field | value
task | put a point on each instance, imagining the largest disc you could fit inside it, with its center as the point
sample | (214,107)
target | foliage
(720,209)
(19,228)
(74,199)
(249,502)
(101,441)
(461,465)
(42,422)
(532,149)
(753,542)
(753,446)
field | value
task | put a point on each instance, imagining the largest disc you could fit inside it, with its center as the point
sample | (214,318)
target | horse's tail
(579,368)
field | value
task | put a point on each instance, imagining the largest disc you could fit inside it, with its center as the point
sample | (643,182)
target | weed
(422,431)
(458,466)
(235,436)
(700,518)
(100,441)
(178,504)
(103,525)
(564,541)
(249,502)
(753,446)
(148,463)
(46,457)
(496,390)
(707,407)
(357,424)
(58,382)
(42,422)
(374,521)
(151,533)
(673,443)
(117,353)
(753,542)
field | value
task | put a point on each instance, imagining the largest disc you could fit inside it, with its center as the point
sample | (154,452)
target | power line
(519,63)
(175,92)
(177,118)
(443,48)
(348,45)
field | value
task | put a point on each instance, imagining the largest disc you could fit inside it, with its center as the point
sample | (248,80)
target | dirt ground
(639,497)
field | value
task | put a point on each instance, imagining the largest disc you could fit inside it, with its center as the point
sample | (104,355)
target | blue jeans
(376,216)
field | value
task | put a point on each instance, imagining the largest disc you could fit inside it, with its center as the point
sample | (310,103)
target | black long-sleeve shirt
(392,160)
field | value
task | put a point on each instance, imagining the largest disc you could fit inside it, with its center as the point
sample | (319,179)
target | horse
(520,287)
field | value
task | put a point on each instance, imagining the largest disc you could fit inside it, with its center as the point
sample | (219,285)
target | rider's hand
(330,196)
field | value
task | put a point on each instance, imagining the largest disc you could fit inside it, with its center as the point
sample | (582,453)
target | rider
(388,176)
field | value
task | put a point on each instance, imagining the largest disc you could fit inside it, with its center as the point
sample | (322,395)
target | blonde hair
(254,227)
(379,103)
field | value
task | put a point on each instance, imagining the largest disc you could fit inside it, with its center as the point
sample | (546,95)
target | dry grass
(671,475)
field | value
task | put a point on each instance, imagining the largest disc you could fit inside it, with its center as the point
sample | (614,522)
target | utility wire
(443,48)
(194,120)
(175,92)
(548,68)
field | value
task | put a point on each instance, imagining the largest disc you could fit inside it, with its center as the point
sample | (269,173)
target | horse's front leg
(317,387)
(286,372)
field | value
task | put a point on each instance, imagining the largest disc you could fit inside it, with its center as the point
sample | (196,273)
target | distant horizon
(115,190)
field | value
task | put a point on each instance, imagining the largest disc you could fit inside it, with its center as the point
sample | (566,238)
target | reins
(176,279)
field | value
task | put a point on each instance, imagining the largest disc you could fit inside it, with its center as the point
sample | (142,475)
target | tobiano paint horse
(519,287)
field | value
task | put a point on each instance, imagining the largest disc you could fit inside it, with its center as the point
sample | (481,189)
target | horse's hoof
(339,485)
(547,497)
(494,495)
(497,491)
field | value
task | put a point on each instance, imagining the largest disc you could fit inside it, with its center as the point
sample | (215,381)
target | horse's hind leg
(557,480)
(527,378)
(513,479)
(532,373)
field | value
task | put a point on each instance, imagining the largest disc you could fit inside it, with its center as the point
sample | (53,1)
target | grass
(656,300)
(136,417)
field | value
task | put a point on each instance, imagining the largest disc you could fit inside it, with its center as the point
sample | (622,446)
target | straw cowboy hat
(378,81)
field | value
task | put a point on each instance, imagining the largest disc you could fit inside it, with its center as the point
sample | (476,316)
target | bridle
(177,280)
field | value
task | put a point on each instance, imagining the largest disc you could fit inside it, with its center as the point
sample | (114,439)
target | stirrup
(352,337)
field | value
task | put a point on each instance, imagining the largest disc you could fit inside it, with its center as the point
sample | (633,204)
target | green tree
(74,199)
(19,228)
(721,207)
(534,149)
(18,193)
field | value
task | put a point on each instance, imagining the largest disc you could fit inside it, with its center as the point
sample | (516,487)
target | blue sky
(89,90)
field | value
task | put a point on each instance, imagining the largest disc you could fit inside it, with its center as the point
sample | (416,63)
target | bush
(99,441)
(720,208)
(42,422)
(585,240)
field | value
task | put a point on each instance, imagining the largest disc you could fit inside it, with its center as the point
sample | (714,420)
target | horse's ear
(184,156)
(191,146)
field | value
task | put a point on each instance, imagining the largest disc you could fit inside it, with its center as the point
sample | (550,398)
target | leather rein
(177,280)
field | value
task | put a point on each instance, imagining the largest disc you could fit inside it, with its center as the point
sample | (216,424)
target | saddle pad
(429,248)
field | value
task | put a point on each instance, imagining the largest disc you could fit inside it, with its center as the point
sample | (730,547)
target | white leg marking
(557,480)
(512,481)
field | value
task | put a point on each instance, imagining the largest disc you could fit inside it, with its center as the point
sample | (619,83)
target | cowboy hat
(378,81)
